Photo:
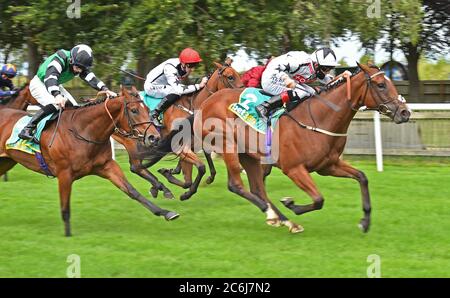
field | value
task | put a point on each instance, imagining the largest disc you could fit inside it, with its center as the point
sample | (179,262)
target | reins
(348,100)
(133,134)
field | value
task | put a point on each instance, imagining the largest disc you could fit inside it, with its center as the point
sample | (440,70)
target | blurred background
(407,38)
(140,34)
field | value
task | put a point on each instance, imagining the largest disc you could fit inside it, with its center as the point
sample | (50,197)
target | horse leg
(212,168)
(168,174)
(343,169)
(113,173)
(187,156)
(303,179)
(177,169)
(6,164)
(65,181)
(236,185)
(267,170)
(254,175)
(137,168)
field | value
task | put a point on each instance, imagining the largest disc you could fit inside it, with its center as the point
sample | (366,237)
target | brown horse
(223,77)
(305,141)
(82,146)
(21,100)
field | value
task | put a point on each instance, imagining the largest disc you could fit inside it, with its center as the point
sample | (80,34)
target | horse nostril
(405,114)
(152,139)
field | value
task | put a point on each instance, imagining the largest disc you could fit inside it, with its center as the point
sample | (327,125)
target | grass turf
(222,235)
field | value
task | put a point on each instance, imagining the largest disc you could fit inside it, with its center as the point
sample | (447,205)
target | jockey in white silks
(164,81)
(286,77)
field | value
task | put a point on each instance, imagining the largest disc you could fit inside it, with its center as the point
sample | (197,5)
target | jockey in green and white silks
(287,77)
(46,86)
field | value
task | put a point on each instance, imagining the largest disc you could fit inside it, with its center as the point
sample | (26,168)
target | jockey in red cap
(164,81)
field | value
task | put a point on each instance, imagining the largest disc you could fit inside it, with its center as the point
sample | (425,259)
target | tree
(158,30)
(418,28)
(10,34)
(46,26)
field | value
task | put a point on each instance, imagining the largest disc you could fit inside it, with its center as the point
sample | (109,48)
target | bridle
(134,133)
(382,106)
(225,80)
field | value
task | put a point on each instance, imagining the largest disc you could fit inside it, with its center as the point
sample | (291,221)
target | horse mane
(341,80)
(89,104)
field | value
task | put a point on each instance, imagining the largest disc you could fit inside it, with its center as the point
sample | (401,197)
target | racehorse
(82,147)
(21,100)
(311,138)
(223,77)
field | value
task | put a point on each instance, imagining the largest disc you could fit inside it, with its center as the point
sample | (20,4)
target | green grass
(221,235)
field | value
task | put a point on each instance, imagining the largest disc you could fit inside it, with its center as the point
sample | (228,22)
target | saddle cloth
(246,109)
(30,147)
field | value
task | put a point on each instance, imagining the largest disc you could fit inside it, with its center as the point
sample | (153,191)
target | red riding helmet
(189,55)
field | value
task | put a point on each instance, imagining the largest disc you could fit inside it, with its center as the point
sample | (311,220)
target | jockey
(287,77)
(252,77)
(164,82)
(7,72)
(46,86)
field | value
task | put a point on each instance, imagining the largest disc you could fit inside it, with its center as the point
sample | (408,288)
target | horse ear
(362,66)
(218,65)
(124,91)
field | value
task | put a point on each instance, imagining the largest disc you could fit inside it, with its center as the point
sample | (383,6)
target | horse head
(225,76)
(136,118)
(381,95)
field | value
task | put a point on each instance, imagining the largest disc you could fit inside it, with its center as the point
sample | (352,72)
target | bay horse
(224,76)
(20,100)
(82,147)
(300,147)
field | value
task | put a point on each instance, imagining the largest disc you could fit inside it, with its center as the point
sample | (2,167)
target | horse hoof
(171,215)
(185,196)
(169,195)
(294,229)
(163,171)
(274,222)
(210,180)
(364,226)
(287,202)
(154,192)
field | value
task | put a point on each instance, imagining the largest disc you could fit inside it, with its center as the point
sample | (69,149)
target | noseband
(134,133)
(382,107)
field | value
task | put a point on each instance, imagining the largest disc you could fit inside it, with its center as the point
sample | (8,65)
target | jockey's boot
(266,107)
(165,103)
(27,132)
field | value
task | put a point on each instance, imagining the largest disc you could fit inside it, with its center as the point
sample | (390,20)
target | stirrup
(156,122)
(27,135)
(264,116)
